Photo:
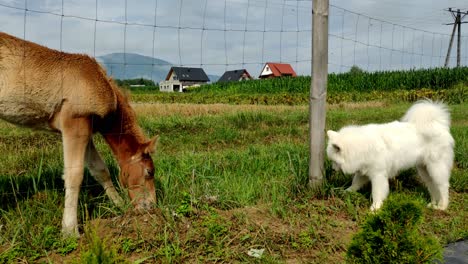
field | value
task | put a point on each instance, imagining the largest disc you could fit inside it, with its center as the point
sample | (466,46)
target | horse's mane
(124,112)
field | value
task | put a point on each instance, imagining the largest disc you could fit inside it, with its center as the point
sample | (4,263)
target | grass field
(230,178)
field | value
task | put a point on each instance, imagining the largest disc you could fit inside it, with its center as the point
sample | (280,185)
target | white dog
(377,152)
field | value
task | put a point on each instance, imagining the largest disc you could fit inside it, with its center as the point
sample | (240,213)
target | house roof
(280,69)
(234,75)
(188,74)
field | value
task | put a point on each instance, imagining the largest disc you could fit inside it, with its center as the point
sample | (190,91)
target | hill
(137,66)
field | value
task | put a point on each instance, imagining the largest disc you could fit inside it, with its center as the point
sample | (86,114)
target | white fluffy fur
(377,152)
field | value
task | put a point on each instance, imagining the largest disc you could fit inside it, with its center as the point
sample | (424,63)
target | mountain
(213,78)
(137,66)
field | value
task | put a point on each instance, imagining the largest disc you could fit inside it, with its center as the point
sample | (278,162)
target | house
(235,75)
(179,78)
(272,70)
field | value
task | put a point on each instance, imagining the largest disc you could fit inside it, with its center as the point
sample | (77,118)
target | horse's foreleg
(99,171)
(76,133)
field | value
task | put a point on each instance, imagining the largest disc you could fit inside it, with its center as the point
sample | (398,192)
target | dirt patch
(261,217)
(130,224)
(313,232)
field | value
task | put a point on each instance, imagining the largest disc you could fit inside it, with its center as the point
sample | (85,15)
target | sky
(220,35)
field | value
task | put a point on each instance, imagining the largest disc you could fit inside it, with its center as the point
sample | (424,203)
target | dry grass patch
(189,110)
(358,105)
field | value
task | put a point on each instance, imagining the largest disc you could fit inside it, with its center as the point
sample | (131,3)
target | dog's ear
(331,134)
(336,147)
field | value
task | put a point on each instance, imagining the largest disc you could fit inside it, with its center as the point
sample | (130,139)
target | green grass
(227,182)
(285,93)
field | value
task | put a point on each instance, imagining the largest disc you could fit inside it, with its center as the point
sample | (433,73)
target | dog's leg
(359,180)
(424,174)
(380,189)
(439,173)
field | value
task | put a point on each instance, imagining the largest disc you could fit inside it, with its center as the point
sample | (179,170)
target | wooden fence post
(318,91)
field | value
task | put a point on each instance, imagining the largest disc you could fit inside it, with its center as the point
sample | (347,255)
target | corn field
(435,79)
(444,84)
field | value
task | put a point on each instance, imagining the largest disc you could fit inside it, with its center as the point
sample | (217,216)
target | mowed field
(230,178)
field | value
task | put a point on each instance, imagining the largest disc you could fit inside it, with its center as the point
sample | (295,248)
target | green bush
(137,81)
(97,251)
(391,236)
(138,85)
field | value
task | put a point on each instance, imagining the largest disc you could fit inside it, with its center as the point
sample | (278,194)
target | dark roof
(234,75)
(189,74)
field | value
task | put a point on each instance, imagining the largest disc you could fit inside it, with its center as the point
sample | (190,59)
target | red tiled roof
(280,69)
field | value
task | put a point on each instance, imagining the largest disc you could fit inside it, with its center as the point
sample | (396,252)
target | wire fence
(219,35)
(377,45)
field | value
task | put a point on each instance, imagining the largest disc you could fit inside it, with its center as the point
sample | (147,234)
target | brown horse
(71,94)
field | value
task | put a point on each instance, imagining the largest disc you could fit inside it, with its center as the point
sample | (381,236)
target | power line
(359,39)
(458,15)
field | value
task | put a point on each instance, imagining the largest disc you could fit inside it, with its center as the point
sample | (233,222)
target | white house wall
(266,71)
(168,86)
(171,78)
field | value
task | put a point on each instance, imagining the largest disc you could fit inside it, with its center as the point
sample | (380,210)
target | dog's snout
(335,166)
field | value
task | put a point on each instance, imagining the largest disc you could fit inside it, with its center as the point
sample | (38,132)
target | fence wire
(222,35)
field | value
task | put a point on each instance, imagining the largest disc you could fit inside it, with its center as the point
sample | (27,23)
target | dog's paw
(349,189)
(375,206)
(436,206)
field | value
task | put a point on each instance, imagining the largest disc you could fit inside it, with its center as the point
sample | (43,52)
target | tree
(356,70)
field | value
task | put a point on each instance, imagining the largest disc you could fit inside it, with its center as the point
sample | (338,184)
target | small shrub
(391,236)
(67,245)
(216,227)
(128,245)
(97,251)
(186,207)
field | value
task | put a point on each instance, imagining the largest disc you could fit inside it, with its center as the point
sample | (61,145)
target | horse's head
(138,176)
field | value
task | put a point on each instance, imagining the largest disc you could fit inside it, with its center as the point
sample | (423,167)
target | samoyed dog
(377,152)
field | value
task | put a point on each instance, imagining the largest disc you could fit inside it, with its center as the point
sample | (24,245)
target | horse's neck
(122,133)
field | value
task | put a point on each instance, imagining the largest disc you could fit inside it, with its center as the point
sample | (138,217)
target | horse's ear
(150,146)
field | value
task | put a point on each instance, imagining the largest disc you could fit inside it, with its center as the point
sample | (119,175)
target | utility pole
(458,16)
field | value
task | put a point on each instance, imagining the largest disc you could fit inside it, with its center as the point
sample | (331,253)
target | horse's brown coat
(71,93)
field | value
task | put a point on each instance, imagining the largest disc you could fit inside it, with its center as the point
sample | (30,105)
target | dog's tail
(430,118)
